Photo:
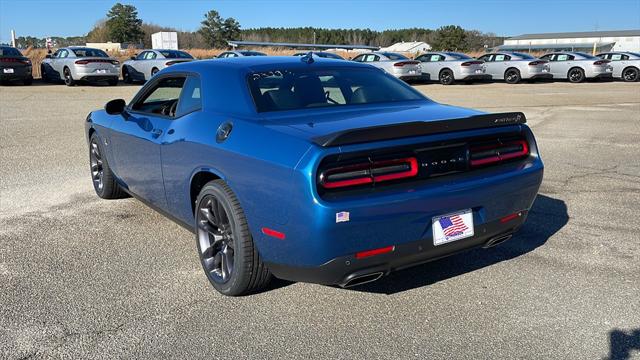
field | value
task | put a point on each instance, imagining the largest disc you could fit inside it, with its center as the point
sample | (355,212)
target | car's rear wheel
(225,247)
(576,75)
(103,179)
(43,74)
(446,77)
(630,74)
(68,78)
(512,76)
(154,71)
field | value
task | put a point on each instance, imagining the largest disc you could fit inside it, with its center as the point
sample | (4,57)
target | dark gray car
(14,66)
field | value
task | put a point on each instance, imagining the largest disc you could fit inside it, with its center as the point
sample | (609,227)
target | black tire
(28,81)
(576,75)
(512,76)
(43,74)
(446,77)
(223,237)
(630,74)
(103,179)
(113,82)
(154,71)
(68,78)
(126,76)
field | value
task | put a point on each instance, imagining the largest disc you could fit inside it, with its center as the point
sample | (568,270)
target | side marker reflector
(273,233)
(384,250)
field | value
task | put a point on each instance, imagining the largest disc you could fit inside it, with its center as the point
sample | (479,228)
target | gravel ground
(87,278)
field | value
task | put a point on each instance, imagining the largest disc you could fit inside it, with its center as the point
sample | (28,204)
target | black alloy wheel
(68,79)
(576,75)
(630,74)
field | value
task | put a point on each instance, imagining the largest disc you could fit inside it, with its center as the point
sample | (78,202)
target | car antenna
(308,58)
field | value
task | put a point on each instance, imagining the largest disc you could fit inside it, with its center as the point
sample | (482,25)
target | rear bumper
(541,76)
(607,75)
(18,74)
(348,270)
(477,77)
(96,78)
(422,77)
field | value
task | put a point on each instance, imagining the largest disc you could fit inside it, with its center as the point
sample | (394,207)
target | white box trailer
(165,40)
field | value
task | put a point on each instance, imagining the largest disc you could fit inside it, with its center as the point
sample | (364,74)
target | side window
(485,58)
(150,55)
(562,57)
(162,98)
(63,54)
(625,57)
(358,58)
(232,55)
(603,56)
(547,57)
(369,58)
(141,55)
(55,54)
(499,57)
(434,57)
(191,98)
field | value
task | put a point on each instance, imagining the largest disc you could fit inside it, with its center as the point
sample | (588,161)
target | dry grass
(37,55)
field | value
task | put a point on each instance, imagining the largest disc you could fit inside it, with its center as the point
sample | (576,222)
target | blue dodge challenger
(312,169)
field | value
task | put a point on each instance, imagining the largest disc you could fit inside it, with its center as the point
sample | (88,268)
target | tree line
(123,25)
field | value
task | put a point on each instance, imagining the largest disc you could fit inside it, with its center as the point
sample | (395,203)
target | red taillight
(469,63)
(21,61)
(368,253)
(538,62)
(82,62)
(490,154)
(85,62)
(368,173)
(510,217)
(601,62)
(403,63)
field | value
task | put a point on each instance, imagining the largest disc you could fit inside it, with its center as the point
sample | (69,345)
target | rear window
(279,90)
(86,52)
(524,56)
(252,53)
(174,54)
(9,51)
(395,56)
(459,56)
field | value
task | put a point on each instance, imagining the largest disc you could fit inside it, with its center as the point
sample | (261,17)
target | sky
(42,18)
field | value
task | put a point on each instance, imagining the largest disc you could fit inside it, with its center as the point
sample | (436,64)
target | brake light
(403,63)
(538,62)
(490,154)
(369,173)
(87,61)
(469,63)
(601,62)
(82,62)
(22,61)
(368,253)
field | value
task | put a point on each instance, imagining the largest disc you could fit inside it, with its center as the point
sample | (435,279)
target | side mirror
(115,107)
(133,58)
(48,56)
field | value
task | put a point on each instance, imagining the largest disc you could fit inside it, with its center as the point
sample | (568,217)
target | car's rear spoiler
(418,128)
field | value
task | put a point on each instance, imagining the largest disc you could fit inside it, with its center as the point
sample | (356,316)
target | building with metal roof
(408,47)
(619,40)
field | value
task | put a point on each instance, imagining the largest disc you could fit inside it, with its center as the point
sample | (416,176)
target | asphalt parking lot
(82,277)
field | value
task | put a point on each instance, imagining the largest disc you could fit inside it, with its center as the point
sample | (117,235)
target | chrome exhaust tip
(496,241)
(362,279)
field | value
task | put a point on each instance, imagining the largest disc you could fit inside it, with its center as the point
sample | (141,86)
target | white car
(626,65)
(80,63)
(577,66)
(395,64)
(146,64)
(512,67)
(448,67)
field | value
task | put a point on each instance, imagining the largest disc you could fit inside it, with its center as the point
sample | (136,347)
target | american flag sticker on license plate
(342,216)
(452,227)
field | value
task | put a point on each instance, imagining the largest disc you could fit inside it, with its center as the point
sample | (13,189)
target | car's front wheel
(630,74)
(226,249)
(512,76)
(126,76)
(104,181)
(576,75)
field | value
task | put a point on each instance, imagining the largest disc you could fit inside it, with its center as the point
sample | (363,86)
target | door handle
(156,133)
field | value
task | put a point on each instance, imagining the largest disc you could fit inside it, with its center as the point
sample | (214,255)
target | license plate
(7,71)
(452,227)
(412,71)
(479,71)
(101,71)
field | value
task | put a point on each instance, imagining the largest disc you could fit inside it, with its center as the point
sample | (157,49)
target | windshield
(9,51)
(174,54)
(87,52)
(524,56)
(458,56)
(395,56)
(291,90)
